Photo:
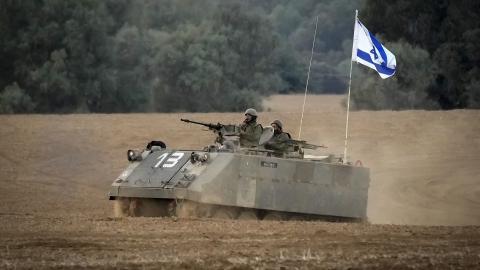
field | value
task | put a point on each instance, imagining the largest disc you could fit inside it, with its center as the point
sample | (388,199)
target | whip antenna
(308,78)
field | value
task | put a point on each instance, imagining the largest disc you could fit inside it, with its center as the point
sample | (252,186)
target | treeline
(437,45)
(157,55)
(63,56)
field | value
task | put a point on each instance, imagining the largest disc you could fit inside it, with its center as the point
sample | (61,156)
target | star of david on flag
(368,51)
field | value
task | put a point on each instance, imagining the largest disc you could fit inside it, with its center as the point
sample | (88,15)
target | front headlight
(133,155)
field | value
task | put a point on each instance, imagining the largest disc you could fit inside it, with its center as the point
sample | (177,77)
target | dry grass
(55,171)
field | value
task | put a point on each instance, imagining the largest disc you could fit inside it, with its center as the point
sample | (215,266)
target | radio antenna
(308,78)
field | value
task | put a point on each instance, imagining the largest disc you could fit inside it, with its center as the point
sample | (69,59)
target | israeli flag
(367,50)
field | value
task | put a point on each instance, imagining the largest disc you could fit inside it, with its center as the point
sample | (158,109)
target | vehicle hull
(251,181)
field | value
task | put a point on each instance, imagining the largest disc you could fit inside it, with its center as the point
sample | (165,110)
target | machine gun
(304,144)
(223,132)
(220,129)
(216,127)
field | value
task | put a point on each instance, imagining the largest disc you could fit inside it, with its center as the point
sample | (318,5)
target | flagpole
(349,88)
(308,78)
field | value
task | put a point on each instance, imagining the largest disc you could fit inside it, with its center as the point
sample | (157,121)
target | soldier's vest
(250,134)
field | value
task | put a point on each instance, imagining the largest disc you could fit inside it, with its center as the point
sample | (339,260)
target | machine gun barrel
(305,145)
(217,126)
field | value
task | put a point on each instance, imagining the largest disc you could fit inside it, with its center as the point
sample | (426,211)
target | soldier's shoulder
(285,135)
(258,125)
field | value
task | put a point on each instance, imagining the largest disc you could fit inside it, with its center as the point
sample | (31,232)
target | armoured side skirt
(132,192)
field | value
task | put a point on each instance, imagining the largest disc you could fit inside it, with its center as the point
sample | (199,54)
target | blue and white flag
(367,50)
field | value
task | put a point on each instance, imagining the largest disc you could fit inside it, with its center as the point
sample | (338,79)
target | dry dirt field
(424,197)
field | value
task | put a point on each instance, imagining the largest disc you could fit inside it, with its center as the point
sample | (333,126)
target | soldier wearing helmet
(278,142)
(250,130)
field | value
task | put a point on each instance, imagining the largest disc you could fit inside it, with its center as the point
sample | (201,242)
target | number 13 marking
(171,161)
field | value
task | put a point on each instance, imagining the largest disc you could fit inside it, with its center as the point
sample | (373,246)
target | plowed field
(424,197)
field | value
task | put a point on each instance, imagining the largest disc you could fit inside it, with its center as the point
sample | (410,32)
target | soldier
(279,140)
(250,130)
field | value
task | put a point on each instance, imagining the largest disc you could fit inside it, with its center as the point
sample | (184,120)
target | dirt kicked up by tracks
(55,171)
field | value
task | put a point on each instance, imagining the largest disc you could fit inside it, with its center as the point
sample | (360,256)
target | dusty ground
(424,199)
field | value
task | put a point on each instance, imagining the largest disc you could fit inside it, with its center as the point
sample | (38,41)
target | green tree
(14,100)
(57,51)
(220,65)
(448,30)
(131,76)
(183,55)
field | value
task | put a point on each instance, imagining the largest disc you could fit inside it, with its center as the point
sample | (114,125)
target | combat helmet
(278,123)
(251,111)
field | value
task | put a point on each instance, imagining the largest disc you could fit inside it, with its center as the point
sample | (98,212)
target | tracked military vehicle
(224,180)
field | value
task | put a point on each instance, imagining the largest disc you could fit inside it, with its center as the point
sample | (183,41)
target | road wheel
(154,208)
(248,214)
(225,213)
(149,208)
(121,206)
(271,215)
(134,207)
(301,217)
(186,209)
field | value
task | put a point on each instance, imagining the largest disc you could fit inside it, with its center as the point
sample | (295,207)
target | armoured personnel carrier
(224,180)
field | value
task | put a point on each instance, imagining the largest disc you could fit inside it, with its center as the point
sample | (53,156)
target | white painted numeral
(161,157)
(171,161)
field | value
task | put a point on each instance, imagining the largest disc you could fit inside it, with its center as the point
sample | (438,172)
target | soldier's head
(277,126)
(250,115)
